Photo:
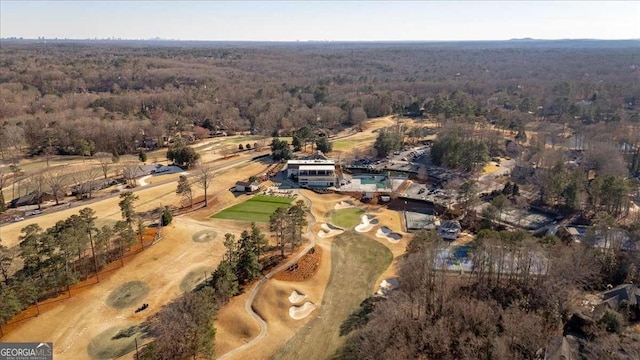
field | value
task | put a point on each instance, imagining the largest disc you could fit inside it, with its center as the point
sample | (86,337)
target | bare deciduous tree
(204,178)
(57,180)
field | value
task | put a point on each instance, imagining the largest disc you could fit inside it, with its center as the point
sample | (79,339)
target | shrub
(612,321)
(166,218)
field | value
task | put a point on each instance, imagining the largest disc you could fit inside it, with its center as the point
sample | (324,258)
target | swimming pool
(380,181)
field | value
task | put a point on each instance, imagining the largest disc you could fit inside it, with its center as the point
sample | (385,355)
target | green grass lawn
(356,263)
(346,218)
(258,209)
(344,144)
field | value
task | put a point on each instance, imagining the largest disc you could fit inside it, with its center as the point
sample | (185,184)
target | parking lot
(408,160)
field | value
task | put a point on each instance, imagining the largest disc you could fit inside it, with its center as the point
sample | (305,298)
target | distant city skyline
(320,20)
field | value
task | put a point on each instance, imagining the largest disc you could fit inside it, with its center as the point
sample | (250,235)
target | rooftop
(311,162)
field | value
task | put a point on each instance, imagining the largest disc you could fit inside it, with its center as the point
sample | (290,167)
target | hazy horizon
(351,21)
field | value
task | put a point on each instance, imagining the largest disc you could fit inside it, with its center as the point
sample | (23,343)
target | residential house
(247,186)
(449,229)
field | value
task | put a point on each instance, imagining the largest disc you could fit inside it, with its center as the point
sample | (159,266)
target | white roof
(311,162)
(317,167)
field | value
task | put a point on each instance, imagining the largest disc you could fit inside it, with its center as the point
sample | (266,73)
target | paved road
(217,167)
(248,305)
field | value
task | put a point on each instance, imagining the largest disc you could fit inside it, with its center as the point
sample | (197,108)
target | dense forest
(566,113)
(83,98)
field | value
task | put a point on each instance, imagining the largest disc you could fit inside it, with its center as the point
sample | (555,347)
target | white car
(19,218)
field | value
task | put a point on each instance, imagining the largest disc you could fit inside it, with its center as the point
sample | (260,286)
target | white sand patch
(367,223)
(143,180)
(296,297)
(386,233)
(328,230)
(387,285)
(344,205)
(301,312)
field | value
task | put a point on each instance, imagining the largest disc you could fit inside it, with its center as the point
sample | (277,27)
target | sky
(320,20)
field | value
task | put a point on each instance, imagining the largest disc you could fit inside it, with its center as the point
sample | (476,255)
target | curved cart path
(248,305)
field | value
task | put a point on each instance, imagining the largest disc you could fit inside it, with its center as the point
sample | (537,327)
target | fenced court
(258,209)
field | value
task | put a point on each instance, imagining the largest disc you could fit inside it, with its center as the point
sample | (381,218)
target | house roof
(317,167)
(247,183)
(627,292)
(562,348)
(450,225)
(310,162)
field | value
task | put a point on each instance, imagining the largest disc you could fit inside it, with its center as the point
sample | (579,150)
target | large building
(317,172)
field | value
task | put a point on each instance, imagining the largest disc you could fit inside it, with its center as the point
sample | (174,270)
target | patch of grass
(128,294)
(194,277)
(114,342)
(242,140)
(258,209)
(356,263)
(204,236)
(350,143)
(346,218)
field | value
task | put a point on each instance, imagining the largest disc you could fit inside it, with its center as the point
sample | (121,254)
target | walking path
(248,305)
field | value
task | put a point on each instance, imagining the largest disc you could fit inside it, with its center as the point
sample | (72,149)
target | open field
(193,238)
(364,260)
(258,209)
(162,268)
(175,263)
(346,218)
(345,144)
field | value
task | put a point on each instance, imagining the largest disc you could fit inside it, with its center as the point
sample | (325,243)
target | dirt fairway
(75,322)
(166,268)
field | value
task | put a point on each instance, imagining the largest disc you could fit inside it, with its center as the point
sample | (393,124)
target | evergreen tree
(224,282)
(324,145)
(280,150)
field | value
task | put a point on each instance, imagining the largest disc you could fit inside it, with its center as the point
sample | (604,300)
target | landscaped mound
(386,233)
(204,236)
(328,230)
(304,268)
(301,312)
(114,342)
(367,223)
(346,218)
(296,297)
(128,294)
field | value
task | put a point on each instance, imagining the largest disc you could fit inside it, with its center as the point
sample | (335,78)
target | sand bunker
(387,285)
(368,222)
(386,233)
(296,297)
(301,312)
(344,205)
(115,342)
(328,230)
